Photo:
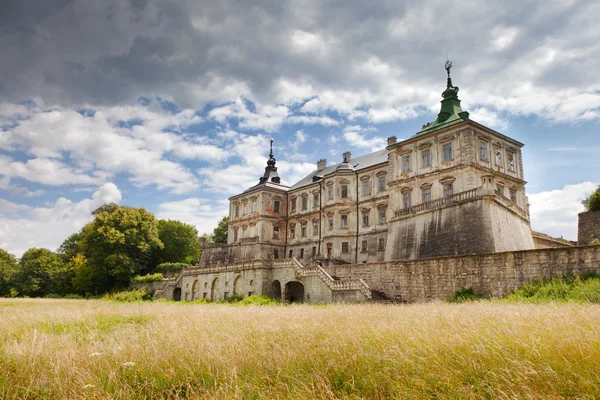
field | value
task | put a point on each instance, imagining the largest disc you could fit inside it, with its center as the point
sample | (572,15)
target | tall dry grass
(96,349)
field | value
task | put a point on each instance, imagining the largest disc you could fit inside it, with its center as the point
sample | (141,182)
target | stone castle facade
(420,219)
(456,187)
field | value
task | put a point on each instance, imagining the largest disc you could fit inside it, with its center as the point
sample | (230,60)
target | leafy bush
(147,278)
(235,298)
(199,301)
(171,267)
(464,295)
(129,296)
(259,300)
(592,203)
(582,289)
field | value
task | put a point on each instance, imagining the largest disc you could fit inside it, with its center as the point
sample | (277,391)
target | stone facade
(588,227)
(493,275)
(543,241)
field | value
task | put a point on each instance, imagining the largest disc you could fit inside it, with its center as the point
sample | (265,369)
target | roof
(354,164)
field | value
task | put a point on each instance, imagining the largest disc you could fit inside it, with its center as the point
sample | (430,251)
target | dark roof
(354,164)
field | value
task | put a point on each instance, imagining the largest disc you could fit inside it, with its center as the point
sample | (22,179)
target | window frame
(345,247)
(426,194)
(428,158)
(447,146)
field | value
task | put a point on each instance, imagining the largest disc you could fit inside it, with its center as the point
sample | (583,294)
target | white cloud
(489,118)
(193,211)
(300,136)
(357,139)
(554,212)
(23,227)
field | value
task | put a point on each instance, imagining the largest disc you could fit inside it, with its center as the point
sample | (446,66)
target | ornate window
(330,192)
(304,203)
(513,195)
(293,205)
(344,191)
(381,244)
(303,229)
(366,186)
(345,247)
(329,222)
(315,228)
(275,232)
(301,253)
(500,189)
(315,199)
(448,190)
(406,163)
(364,246)
(365,217)
(292,231)
(498,156)
(381,186)
(483,151)
(511,162)
(235,235)
(237,210)
(291,253)
(276,205)
(382,215)
(344,221)
(406,199)
(426,195)
(447,148)
(426,156)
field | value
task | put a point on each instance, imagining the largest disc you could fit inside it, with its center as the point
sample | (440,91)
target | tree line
(120,243)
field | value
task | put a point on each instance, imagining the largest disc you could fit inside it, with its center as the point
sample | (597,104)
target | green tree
(118,244)
(8,267)
(220,233)
(592,203)
(70,247)
(181,243)
(42,272)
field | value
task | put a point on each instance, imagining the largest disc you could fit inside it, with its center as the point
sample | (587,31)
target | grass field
(100,349)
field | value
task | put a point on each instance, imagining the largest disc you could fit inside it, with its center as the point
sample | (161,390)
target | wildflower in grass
(127,364)
(95,354)
(88,386)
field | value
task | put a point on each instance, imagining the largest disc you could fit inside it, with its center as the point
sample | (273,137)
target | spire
(270,174)
(450,111)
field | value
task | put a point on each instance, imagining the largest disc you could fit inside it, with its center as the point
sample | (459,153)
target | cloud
(521,58)
(554,212)
(23,227)
(355,138)
(488,118)
(71,147)
(300,136)
(195,211)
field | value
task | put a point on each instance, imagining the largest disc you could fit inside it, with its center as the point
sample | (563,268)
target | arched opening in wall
(276,290)
(294,292)
(214,289)
(177,294)
(237,284)
(196,290)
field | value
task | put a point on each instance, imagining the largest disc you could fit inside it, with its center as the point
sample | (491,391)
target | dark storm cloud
(110,52)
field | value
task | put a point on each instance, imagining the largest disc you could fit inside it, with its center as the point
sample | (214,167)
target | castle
(454,189)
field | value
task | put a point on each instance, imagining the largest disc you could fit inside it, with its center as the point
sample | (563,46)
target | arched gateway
(294,292)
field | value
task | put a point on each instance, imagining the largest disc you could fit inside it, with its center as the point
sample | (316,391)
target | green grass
(579,289)
(95,349)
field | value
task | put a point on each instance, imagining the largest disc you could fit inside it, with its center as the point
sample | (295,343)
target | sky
(170,105)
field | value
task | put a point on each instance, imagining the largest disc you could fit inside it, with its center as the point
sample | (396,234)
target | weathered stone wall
(495,274)
(589,227)
(510,232)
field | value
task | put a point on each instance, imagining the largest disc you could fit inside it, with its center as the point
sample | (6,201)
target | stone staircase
(332,283)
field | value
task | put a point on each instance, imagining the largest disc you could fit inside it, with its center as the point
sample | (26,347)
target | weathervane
(448,66)
(271,153)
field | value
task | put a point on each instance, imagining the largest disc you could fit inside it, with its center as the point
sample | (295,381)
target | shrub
(464,295)
(129,296)
(583,288)
(171,267)
(259,300)
(147,278)
(592,203)
(235,298)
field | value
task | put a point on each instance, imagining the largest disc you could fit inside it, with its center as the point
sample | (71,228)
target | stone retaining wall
(494,274)
(589,227)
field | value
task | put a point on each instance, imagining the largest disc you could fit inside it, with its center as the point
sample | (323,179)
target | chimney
(321,164)
(346,156)
(391,140)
